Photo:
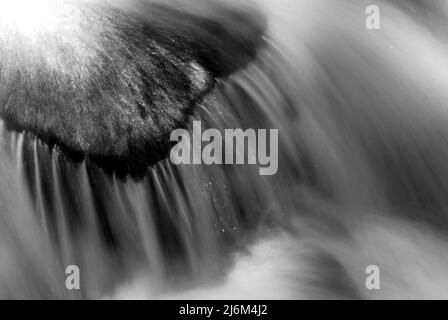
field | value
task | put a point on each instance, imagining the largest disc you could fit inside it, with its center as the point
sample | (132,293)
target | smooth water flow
(362,179)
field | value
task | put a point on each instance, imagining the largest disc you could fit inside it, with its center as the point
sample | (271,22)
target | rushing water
(362,179)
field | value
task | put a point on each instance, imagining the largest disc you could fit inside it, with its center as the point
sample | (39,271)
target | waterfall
(362,180)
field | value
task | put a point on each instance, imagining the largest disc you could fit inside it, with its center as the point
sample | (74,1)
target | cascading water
(362,180)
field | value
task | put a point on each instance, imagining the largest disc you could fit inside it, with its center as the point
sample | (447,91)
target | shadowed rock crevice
(111,82)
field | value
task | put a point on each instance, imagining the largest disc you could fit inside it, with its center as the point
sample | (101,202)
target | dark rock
(111,83)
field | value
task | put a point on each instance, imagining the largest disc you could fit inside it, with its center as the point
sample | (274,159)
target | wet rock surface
(111,83)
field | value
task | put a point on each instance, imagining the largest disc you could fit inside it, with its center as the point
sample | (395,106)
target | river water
(362,179)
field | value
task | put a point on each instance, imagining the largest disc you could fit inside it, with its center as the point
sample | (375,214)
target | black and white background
(93,207)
